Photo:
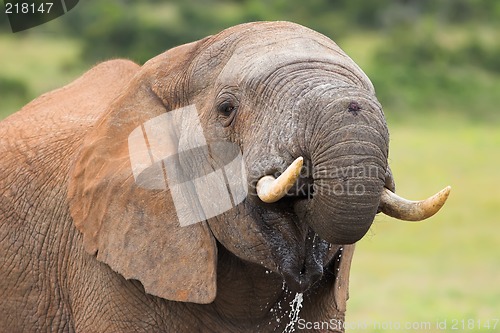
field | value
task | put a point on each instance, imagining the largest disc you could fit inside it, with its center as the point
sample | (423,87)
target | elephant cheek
(238,232)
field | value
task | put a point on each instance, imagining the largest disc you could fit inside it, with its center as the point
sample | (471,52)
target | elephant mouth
(337,270)
(303,268)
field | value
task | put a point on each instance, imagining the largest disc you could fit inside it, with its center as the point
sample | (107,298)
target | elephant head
(313,144)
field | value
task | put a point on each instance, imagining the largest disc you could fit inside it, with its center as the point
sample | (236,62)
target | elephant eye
(227,110)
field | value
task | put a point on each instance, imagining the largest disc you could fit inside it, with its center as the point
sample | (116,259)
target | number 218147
(28,8)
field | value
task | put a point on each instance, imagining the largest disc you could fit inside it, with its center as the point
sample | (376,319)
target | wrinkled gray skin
(279,91)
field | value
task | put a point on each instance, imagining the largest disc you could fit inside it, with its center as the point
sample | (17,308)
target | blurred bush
(12,91)
(425,68)
(13,87)
(142,29)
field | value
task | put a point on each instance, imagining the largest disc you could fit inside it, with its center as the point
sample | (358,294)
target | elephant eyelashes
(227,110)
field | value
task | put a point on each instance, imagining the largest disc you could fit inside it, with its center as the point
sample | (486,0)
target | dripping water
(295,307)
(280,312)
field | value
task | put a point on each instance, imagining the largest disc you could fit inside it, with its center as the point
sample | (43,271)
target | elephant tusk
(400,208)
(270,189)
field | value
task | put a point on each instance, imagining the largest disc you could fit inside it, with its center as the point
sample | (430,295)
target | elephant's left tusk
(393,205)
(270,189)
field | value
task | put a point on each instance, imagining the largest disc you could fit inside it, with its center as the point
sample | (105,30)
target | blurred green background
(436,68)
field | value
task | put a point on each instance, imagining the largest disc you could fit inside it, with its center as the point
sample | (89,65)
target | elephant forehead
(259,58)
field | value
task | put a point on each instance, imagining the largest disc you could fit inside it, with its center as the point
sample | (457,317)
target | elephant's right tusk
(393,205)
(270,189)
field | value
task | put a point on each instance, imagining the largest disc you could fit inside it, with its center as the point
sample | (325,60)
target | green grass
(446,268)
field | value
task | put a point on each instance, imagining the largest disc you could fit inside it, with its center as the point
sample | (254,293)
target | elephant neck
(241,284)
(248,295)
(252,299)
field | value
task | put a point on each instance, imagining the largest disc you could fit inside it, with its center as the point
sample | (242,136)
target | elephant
(92,240)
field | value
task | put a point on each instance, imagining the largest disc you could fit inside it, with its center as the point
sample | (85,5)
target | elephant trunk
(347,182)
(346,192)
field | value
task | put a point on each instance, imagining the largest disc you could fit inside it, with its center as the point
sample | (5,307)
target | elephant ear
(132,228)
